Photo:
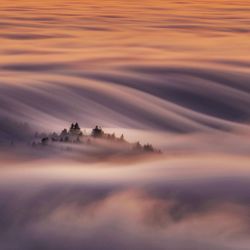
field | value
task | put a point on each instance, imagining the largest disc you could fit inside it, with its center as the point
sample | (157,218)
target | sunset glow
(124,124)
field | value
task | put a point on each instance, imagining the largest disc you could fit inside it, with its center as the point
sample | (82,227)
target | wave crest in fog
(179,67)
(170,99)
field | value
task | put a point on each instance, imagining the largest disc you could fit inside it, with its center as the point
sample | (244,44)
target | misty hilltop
(73,142)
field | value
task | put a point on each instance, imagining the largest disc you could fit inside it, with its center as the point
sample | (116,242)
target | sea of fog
(171,73)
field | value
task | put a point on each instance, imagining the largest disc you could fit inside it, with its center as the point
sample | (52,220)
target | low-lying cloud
(77,216)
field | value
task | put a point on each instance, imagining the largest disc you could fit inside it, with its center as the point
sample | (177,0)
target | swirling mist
(172,73)
(156,67)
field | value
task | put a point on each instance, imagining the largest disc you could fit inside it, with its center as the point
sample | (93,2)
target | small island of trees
(74,135)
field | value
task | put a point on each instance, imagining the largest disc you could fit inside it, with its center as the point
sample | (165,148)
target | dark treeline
(75,135)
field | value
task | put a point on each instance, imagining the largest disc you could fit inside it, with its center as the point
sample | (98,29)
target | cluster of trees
(97,132)
(74,135)
(146,148)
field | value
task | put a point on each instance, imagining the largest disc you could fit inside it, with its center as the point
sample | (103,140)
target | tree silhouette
(77,126)
(45,141)
(64,132)
(97,132)
(138,146)
(148,148)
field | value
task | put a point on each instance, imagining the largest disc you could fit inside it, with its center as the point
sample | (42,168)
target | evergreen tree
(97,132)
(77,126)
(148,148)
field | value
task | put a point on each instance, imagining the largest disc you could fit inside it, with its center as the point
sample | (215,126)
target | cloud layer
(99,206)
(174,74)
(163,67)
